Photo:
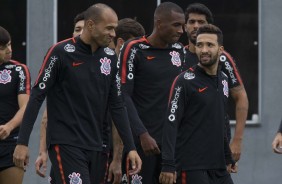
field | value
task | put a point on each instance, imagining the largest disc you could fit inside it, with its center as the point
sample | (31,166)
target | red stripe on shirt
(171,89)
(27,86)
(234,67)
(126,53)
(183,177)
(47,57)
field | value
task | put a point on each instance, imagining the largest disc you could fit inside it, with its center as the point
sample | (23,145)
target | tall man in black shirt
(79,77)
(148,66)
(197,15)
(194,140)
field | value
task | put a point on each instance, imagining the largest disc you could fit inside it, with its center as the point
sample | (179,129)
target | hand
(235,148)
(21,156)
(5,131)
(41,164)
(149,144)
(115,171)
(167,178)
(136,162)
(277,143)
(232,168)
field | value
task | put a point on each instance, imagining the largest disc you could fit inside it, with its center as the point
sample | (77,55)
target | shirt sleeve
(24,79)
(173,119)
(119,113)
(128,64)
(230,69)
(45,80)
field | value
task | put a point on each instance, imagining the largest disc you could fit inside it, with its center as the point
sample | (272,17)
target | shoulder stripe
(27,86)
(126,53)
(234,67)
(46,58)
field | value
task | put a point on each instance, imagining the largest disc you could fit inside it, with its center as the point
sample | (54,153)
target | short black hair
(128,28)
(165,9)
(4,36)
(78,17)
(95,12)
(211,29)
(201,9)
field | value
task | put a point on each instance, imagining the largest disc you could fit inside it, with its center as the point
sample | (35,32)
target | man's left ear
(221,49)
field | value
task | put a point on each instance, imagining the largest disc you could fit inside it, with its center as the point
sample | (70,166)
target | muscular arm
(241,102)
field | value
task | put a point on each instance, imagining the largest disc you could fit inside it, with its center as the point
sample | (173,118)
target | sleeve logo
(69,48)
(225,88)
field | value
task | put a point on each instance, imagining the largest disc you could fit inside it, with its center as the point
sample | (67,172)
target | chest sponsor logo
(228,67)
(5,76)
(69,47)
(189,76)
(75,178)
(142,46)
(225,88)
(174,105)
(175,59)
(109,51)
(106,66)
(136,179)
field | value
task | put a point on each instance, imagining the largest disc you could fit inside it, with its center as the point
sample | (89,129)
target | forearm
(42,146)
(117,145)
(241,112)
(17,119)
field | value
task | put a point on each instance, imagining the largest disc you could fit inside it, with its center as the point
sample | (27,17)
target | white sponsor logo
(118,81)
(48,71)
(176,45)
(189,76)
(143,46)
(124,178)
(69,48)
(174,105)
(10,66)
(106,66)
(109,51)
(22,79)
(130,63)
(225,88)
(227,66)
(75,178)
(18,68)
(5,76)
(175,59)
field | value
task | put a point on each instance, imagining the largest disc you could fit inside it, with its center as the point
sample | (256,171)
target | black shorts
(6,156)
(204,177)
(150,172)
(76,165)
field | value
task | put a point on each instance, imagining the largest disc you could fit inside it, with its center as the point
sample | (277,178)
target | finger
(157,150)
(110,176)
(174,177)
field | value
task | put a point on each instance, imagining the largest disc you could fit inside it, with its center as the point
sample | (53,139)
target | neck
(210,70)
(156,41)
(192,47)
(87,40)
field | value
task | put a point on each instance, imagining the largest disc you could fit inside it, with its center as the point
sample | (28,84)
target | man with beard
(196,110)
(148,66)
(197,15)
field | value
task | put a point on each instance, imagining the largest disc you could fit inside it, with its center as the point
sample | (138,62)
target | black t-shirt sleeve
(24,82)
(46,79)
(173,118)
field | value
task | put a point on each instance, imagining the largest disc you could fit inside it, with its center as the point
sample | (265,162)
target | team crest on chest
(75,178)
(225,88)
(5,76)
(175,59)
(136,179)
(106,66)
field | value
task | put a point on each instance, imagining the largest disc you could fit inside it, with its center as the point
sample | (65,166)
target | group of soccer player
(119,100)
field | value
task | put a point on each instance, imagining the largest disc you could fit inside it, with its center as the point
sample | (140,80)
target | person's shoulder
(187,75)
(138,43)
(178,46)
(225,56)
(67,45)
